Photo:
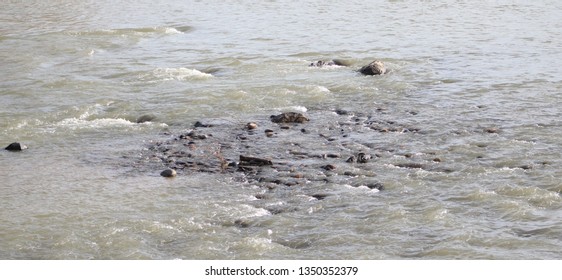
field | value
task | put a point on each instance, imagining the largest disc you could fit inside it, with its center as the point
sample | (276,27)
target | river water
(481,80)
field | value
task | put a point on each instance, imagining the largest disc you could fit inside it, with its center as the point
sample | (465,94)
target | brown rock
(289,117)
(374,68)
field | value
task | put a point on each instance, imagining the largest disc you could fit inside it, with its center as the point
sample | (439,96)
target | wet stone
(168,173)
(251,125)
(289,117)
(200,124)
(376,186)
(242,224)
(491,130)
(15,147)
(329,167)
(363,158)
(376,67)
(320,196)
(247,160)
(293,161)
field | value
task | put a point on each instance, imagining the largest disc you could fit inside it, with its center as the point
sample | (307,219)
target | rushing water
(481,80)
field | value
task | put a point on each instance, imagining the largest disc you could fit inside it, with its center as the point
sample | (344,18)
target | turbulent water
(480,80)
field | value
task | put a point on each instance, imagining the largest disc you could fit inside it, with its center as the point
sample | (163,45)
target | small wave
(252,212)
(293,108)
(141,31)
(78,123)
(177,74)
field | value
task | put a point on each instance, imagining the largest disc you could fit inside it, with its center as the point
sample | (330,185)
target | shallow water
(75,77)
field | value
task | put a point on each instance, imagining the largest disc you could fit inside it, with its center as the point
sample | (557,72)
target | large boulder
(16,147)
(374,68)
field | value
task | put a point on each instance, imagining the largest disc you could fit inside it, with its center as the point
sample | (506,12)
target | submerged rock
(335,62)
(374,68)
(289,117)
(200,124)
(245,160)
(145,118)
(16,147)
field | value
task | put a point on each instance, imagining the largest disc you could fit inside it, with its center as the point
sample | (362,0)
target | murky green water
(76,75)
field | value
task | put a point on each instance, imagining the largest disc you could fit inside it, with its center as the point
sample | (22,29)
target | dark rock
(268,132)
(351,159)
(329,167)
(491,130)
(145,118)
(242,168)
(168,173)
(378,186)
(279,209)
(320,196)
(16,147)
(200,124)
(374,68)
(289,117)
(242,224)
(342,112)
(194,135)
(363,157)
(254,161)
(526,167)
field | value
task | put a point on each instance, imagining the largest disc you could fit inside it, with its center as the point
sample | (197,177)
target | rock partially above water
(168,173)
(251,125)
(374,68)
(289,117)
(16,147)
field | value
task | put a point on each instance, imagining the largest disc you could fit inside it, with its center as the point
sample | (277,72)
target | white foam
(171,30)
(322,89)
(179,74)
(293,108)
(78,123)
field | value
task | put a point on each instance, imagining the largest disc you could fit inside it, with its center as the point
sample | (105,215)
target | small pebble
(251,125)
